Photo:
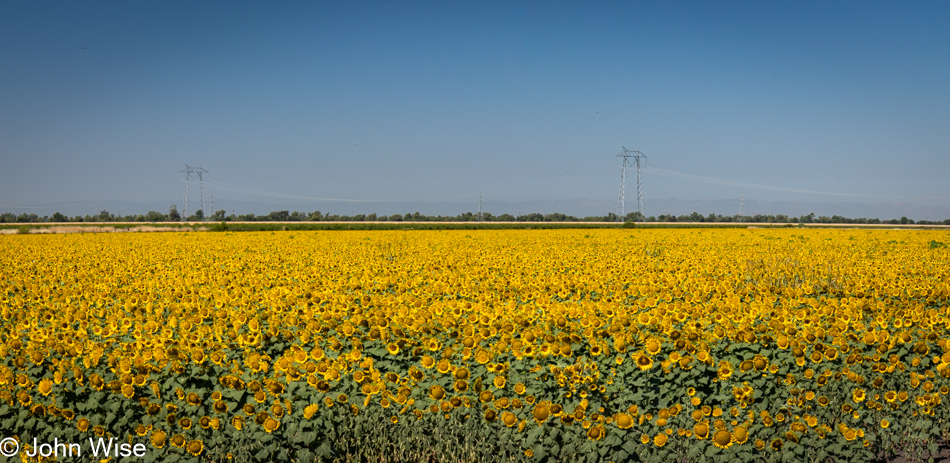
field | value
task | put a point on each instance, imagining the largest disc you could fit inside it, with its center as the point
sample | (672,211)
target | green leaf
(567,450)
(540,451)
(309,437)
(631,446)
(693,453)
(324,450)
(305,456)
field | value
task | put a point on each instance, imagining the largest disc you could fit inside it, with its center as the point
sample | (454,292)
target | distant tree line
(296,216)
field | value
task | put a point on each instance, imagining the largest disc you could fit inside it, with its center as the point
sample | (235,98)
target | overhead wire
(733,183)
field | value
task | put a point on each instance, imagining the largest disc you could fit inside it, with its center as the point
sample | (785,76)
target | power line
(724,182)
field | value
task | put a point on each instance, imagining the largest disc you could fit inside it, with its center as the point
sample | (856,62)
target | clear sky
(441,101)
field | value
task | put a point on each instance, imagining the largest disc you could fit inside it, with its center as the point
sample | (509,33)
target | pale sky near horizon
(442,101)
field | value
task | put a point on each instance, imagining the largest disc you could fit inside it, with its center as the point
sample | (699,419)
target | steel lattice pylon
(190,173)
(627,155)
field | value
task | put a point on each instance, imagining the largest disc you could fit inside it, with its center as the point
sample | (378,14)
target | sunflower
(541,412)
(725,370)
(722,438)
(436,392)
(858,395)
(509,419)
(482,356)
(660,440)
(740,434)
(623,420)
(158,439)
(204,422)
(644,362)
(45,387)
(392,348)
(178,440)
(499,382)
(270,424)
(596,432)
(444,366)
(850,434)
(195,447)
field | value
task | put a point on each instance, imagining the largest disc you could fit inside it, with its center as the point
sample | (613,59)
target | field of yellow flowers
(476,345)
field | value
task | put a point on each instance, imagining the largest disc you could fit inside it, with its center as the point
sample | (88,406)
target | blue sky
(441,101)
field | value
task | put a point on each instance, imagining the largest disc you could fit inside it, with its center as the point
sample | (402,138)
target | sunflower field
(477,345)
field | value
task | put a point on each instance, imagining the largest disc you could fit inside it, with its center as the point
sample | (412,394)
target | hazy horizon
(578,207)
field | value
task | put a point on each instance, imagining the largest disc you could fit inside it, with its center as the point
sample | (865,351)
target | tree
(173,215)
(198,216)
(57,217)
(279,216)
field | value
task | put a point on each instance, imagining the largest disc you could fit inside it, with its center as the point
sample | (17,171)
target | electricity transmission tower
(190,174)
(741,204)
(627,155)
(479,207)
